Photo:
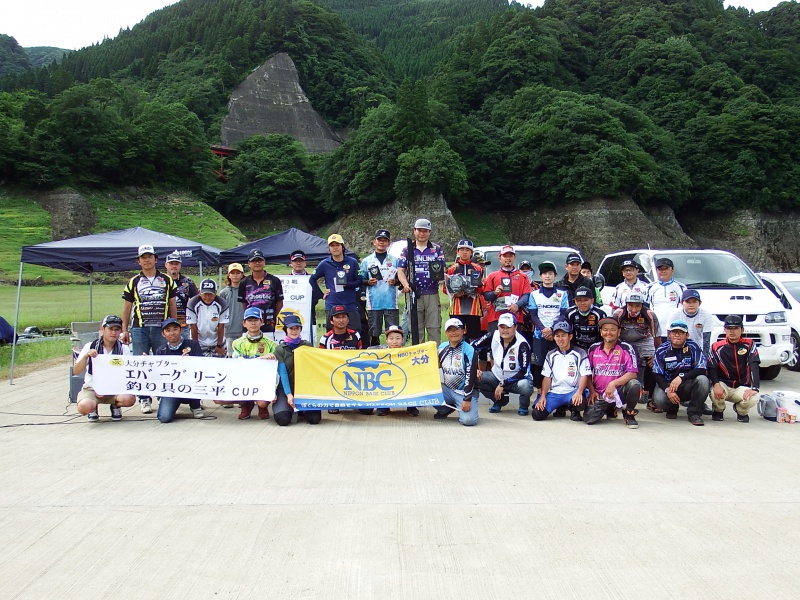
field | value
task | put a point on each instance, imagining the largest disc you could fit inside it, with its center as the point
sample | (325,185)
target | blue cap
(291,321)
(679,325)
(167,322)
(690,294)
(562,326)
(252,313)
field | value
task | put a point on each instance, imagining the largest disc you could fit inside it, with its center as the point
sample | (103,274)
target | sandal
(651,406)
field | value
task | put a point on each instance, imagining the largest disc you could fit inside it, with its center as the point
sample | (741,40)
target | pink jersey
(606,367)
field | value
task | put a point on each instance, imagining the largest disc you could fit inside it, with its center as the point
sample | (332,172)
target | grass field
(33,355)
(483,228)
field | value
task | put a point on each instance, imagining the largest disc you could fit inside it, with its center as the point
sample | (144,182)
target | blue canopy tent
(109,252)
(276,248)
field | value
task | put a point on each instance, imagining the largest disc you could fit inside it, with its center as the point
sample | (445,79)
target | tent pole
(219,278)
(16,324)
(91,312)
(200,262)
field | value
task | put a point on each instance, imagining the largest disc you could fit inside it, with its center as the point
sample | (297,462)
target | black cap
(112,321)
(525,263)
(297,254)
(255,253)
(584,292)
(734,321)
(574,258)
(382,233)
(630,263)
(587,265)
(167,322)
(665,262)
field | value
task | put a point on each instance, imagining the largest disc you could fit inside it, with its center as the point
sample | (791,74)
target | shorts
(88,393)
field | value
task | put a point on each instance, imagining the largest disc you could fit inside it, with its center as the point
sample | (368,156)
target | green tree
(435,168)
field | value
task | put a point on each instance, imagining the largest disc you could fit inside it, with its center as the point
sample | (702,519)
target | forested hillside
(41,56)
(13,59)
(682,103)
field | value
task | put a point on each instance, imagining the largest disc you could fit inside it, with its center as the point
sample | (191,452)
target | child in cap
(206,315)
(395,338)
(230,293)
(253,344)
(284,398)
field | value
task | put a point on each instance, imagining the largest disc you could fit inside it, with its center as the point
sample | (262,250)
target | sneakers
(382,412)
(612,413)
(706,410)
(198,413)
(439,415)
(672,415)
(147,405)
(245,412)
(93,416)
(523,412)
(651,406)
(413,411)
(696,420)
(717,416)
(116,413)
(263,413)
(495,408)
(742,418)
(575,416)
(561,411)
(630,420)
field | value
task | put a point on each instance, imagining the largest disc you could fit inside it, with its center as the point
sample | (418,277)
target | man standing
(297,261)
(680,371)
(184,289)
(207,315)
(506,291)
(613,384)
(510,370)
(699,320)
(343,283)
(664,295)
(584,318)
(149,298)
(546,305)
(262,291)
(428,262)
(639,327)
(458,365)
(566,375)
(465,290)
(631,284)
(733,370)
(573,279)
(378,272)
(177,346)
(107,343)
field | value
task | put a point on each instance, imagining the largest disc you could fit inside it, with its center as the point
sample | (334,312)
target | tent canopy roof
(278,247)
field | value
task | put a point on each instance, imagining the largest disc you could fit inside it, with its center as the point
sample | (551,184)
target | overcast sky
(78,23)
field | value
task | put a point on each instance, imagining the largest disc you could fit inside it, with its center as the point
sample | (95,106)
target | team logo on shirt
(572,369)
(369,377)
(673,297)
(741,351)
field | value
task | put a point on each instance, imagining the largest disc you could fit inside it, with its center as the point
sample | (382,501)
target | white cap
(422,224)
(453,323)
(507,319)
(146,249)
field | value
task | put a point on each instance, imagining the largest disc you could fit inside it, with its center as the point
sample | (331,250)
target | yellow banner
(385,378)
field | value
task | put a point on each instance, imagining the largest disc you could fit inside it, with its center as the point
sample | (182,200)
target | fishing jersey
(245,348)
(663,298)
(422,281)
(700,323)
(584,326)
(565,369)
(623,290)
(150,298)
(468,304)
(511,363)
(207,317)
(572,286)
(734,364)
(640,331)
(342,280)
(185,289)
(670,361)
(608,366)
(380,296)
(497,304)
(263,295)
(349,340)
(458,367)
(548,310)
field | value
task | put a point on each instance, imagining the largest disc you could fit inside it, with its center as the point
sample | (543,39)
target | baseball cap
(465,244)
(453,323)
(690,294)
(584,292)
(547,266)
(607,321)
(382,233)
(147,249)
(574,258)
(678,325)
(338,310)
(167,322)
(255,253)
(422,224)
(507,319)
(291,321)
(335,238)
(252,313)
(587,265)
(235,267)
(734,321)
(507,250)
(562,326)
(208,285)
(629,263)
(297,254)
(396,329)
(664,262)
(112,321)
(635,298)
(174,257)
(525,263)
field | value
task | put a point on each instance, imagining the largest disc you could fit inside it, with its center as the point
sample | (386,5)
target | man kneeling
(107,343)
(566,374)
(177,346)
(458,364)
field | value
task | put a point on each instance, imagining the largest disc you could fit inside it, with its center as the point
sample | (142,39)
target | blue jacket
(328,270)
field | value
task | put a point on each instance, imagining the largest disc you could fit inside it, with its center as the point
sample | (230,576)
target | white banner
(191,377)
(296,301)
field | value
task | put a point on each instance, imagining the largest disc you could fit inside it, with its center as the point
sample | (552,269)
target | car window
(709,270)
(611,269)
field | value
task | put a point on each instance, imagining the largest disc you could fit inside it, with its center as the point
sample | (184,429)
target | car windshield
(535,257)
(793,287)
(709,270)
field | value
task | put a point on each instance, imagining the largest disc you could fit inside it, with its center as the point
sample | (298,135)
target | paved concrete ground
(394,507)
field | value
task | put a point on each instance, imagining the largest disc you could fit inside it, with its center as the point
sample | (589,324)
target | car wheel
(794,361)
(768,373)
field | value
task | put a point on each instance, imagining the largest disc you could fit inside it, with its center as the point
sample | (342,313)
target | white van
(727,286)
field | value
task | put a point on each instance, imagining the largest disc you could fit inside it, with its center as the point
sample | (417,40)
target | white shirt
(87,377)
(702,322)
(623,290)
(207,317)
(663,299)
(565,369)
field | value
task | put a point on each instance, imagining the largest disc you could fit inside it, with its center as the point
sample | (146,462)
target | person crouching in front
(177,345)
(253,344)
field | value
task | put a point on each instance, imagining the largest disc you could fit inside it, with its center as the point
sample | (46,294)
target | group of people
(506,333)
